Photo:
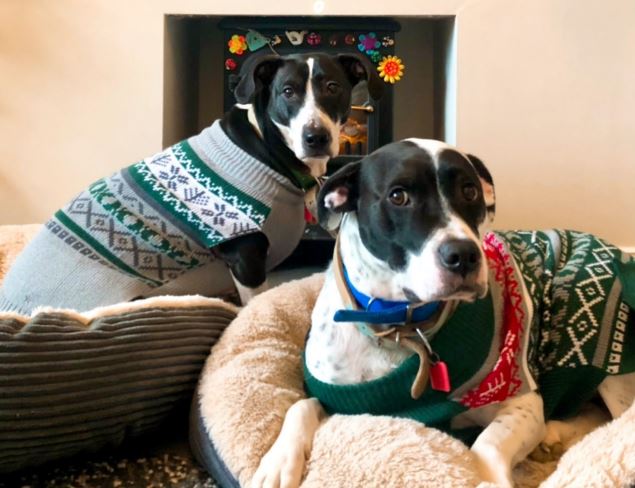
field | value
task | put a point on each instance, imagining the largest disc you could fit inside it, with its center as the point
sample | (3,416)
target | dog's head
(421,207)
(307,96)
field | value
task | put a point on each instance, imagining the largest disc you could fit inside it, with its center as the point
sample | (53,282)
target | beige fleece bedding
(253,375)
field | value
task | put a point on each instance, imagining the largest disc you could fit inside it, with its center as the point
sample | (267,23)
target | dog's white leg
(516,429)
(246,293)
(283,465)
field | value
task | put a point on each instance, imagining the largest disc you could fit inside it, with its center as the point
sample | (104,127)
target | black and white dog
(412,217)
(289,113)
(143,230)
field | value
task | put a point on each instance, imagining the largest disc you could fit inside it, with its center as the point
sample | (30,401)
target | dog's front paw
(551,447)
(545,453)
(281,467)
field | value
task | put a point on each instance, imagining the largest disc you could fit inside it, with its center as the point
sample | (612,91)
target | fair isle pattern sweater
(152,222)
(558,318)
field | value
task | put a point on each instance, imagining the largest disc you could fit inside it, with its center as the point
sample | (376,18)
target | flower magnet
(368,42)
(374,55)
(237,44)
(391,69)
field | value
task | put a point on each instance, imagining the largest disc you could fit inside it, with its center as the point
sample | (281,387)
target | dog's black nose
(316,138)
(460,256)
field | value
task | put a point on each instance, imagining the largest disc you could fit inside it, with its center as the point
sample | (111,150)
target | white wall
(544,95)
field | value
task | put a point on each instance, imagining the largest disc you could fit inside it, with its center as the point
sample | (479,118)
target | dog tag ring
(439,375)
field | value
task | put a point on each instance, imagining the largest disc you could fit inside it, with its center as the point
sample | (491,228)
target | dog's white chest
(337,353)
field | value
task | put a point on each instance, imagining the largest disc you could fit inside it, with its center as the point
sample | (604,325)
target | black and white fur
(288,115)
(411,218)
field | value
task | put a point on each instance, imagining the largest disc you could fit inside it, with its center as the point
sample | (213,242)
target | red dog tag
(439,377)
(308,216)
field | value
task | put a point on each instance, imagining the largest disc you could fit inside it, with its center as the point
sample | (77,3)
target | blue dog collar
(380,311)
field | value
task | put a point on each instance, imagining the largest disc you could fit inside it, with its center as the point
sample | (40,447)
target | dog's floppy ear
(487,183)
(338,195)
(358,68)
(255,73)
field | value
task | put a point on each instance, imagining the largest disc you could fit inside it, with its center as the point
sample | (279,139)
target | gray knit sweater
(152,223)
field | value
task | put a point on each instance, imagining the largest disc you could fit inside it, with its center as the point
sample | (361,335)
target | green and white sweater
(559,317)
(150,223)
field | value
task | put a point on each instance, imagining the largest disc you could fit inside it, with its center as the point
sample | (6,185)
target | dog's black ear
(487,183)
(358,68)
(338,195)
(257,72)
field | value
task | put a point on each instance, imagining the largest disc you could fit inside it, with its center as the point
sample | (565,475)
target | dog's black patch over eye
(398,207)
(288,91)
(399,197)
(333,87)
(470,192)
(460,186)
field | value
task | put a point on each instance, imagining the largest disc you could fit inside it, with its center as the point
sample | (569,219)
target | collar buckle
(409,312)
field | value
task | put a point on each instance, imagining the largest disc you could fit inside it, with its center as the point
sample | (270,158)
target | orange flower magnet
(237,44)
(391,69)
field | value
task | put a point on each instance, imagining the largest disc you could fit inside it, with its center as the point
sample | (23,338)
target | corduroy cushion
(255,374)
(73,382)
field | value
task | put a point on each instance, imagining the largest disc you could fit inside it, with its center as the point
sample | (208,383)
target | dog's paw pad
(545,452)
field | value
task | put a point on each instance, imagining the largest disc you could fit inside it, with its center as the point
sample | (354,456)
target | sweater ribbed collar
(390,394)
(221,149)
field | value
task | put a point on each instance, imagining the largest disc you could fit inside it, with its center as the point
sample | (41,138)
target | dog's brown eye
(470,192)
(399,197)
(288,91)
(333,87)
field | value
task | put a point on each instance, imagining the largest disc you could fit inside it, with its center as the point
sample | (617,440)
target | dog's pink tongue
(439,377)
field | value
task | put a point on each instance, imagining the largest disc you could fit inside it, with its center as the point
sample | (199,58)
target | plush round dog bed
(254,375)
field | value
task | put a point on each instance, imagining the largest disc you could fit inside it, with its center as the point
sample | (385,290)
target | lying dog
(235,191)
(509,328)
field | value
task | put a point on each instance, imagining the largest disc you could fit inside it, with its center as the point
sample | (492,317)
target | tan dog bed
(254,375)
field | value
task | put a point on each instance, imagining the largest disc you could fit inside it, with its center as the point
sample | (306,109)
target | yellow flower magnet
(237,44)
(391,69)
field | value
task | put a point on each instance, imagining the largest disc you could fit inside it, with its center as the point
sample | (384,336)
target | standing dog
(235,191)
(509,328)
